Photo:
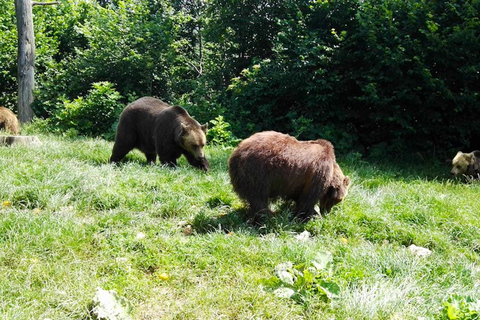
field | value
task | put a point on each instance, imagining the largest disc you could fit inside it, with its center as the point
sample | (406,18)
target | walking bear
(156,128)
(271,165)
(9,121)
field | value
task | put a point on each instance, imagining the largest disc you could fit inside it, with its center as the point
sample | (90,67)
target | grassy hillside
(174,244)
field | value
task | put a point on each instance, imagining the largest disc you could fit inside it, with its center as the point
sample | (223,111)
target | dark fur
(473,168)
(155,128)
(271,165)
(9,121)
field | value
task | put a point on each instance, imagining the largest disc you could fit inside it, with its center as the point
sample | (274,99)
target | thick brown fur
(156,128)
(271,165)
(467,164)
(9,121)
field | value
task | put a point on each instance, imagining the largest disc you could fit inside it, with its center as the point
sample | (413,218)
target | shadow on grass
(407,170)
(216,165)
(239,220)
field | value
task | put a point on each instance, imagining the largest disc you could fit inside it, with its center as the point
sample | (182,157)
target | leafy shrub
(37,126)
(374,76)
(460,308)
(369,74)
(201,101)
(306,280)
(219,133)
(92,115)
(8,49)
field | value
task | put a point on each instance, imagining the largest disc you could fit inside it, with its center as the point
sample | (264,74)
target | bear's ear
(183,128)
(204,127)
(468,156)
(476,153)
(346,181)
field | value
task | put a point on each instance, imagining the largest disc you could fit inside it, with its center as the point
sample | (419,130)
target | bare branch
(44,3)
(199,70)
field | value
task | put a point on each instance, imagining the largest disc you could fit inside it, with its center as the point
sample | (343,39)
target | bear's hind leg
(125,141)
(119,152)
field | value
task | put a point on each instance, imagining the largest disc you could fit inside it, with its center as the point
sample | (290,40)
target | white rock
(419,251)
(304,236)
(140,236)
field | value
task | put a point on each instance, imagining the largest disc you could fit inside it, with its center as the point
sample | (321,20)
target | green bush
(92,115)
(219,133)
(395,76)
(8,51)
(373,76)
(460,308)
(293,90)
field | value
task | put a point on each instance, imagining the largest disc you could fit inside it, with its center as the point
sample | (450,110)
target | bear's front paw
(203,164)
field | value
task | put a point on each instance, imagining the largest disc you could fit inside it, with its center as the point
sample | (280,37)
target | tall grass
(70,222)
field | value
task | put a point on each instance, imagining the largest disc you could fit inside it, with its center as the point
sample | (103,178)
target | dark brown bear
(271,165)
(9,121)
(156,128)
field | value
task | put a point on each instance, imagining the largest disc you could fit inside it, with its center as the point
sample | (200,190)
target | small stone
(304,236)
(419,251)
(140,236)
(182,223)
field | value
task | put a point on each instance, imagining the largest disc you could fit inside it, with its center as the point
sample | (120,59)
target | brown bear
(156,128)
(271,165)
(9,121)
(466,164)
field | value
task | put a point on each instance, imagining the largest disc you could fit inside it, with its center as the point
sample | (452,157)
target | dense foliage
(373,76)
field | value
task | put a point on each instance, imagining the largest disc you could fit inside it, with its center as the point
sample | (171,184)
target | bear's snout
(203,164)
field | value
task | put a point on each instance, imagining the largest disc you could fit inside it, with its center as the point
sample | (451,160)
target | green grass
(70,222)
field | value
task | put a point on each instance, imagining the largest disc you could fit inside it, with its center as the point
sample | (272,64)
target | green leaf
(322,260)
(308,276)
(332,289)
(452,311)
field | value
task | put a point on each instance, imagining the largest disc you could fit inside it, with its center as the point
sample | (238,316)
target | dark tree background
(383,77)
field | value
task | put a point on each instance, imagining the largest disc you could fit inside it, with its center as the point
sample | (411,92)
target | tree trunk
(26,59)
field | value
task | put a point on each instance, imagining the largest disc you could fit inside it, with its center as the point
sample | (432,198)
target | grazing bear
(466,164)
(156,128)
(9,121)
(271,165)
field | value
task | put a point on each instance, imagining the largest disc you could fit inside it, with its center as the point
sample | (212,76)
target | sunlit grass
(175,243)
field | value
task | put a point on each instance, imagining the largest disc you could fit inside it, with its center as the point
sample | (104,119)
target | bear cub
(270,165)
(466,164)
(158,129)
